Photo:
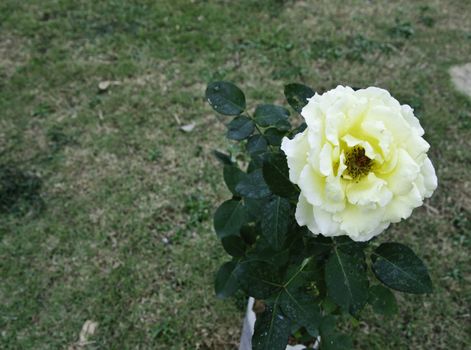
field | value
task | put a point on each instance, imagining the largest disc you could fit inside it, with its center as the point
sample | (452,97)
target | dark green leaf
(223,158)
(272,116)
(299,276)
(276,175)
(330,338)
(255,207)
(297,95)
(349,246)
(256,144)
(301,308)
(234,246)
(240,128)
(229,218)
(274,136)
(232,176)
(275,221)
(299,129)
(328,326)
(382,300)
(249,233)
(272,330)
(336,342)
(225,98)
(345,241)
(257,161)
(266,253)
(253,185)
(226,283)
(318,246)
(312,333)
(397,266)
(329,306)
(259,279)
(346,280)
(295,241)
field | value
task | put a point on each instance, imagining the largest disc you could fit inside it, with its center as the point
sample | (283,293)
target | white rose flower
(361,163)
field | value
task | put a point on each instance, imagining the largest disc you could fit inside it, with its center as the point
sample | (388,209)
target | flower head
(361,163)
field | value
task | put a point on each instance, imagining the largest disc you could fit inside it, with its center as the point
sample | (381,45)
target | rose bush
(360,164)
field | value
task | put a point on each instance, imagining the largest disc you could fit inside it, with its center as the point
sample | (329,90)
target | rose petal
(312,185)
(296,151)
(401,179)
(430,178)
(305,215)
(369,191)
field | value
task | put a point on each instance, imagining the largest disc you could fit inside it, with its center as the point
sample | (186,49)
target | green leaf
(274,136)
(255,207)
(232,176)
(330,338)
(346,281)
(276,175)
(297,95)
(275,221)
(272,329)
(382,300)
(295,240)
(328,326)
(328,306)
(225,98)
(272,116)
(336,342)
(256,144)
(349,246)
(223,158)
(299,129)
(299,275)
(225,283)
(302,309)
(264,252)
(259,279)
(253,185)
(240,128)
(249,233)
(229,218)
(234,246)
(397,266)
(318,246)
(257,161)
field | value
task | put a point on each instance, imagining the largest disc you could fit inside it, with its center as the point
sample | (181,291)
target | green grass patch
(124,236)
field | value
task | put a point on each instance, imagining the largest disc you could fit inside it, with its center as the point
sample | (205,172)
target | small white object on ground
(188,127)
(248,327)
(88,329)
(105,84)
(461,77)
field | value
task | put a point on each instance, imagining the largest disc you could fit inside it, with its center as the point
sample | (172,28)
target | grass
(106,204)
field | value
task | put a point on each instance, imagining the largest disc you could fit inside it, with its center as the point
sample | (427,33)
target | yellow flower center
(358,164)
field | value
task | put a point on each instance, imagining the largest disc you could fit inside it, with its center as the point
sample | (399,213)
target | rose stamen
(357,163)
